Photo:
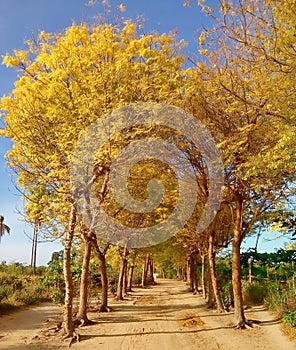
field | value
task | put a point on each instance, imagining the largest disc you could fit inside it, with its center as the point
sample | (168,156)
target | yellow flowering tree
(247,89)
(66,81)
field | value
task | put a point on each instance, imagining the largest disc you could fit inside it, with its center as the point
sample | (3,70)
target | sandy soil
(163,317)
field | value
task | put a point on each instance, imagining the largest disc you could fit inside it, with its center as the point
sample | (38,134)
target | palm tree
(3,227)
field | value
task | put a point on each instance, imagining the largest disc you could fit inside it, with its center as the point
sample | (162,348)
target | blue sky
(19,20)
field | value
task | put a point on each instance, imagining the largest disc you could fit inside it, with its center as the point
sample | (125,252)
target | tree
(132,260)
(68,323)
(123,253)
(219,236)
(66,81)
(101,251)
(83,295)
(3,227)
(249,108)
(34,246)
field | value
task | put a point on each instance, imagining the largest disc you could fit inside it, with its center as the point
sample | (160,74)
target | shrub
(280,299)
(254,293)
(26,297)
(4,292)
(290,318)
(58,297)
(227,294)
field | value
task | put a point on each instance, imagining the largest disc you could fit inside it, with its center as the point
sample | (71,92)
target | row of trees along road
(242,89)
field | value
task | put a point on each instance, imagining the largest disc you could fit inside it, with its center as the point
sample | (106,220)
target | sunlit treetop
(68,80)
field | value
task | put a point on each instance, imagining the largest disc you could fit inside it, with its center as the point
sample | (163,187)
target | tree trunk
(184,273)
(1,226)
(120,285)
(212,271)
(104,280)
(124,285)
(179,272)
(250,262)
(130,278)
(145,271)
(194,274)
(82,313)
(119,293)
(68,324)
(150,272)
(34,246)
(236,267)
(211,297)
(203,276)
(189,274)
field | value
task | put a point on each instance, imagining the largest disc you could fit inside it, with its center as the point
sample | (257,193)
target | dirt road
(163,317)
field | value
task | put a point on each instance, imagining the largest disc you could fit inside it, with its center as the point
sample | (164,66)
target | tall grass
(277,296)
(19,286)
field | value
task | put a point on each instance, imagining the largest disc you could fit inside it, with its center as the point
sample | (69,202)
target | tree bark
(34,246)
(181,272)
(189,274)
(130,278)
(104,278)
(120,285)
(212,271)
(240,319)
(203,276)
(82,313)
(184,273)
(150,272)
(194,274)
(68,324)
(211,297)
(145,271)
(124,284)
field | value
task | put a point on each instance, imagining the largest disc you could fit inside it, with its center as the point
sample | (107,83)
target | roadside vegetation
(267,279)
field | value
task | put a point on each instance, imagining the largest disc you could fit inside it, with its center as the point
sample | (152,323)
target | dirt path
(163,317)
(18,330)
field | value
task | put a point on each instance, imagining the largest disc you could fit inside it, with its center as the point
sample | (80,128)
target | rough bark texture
(68,324)
(212,271)
(82,313)
(236,267)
